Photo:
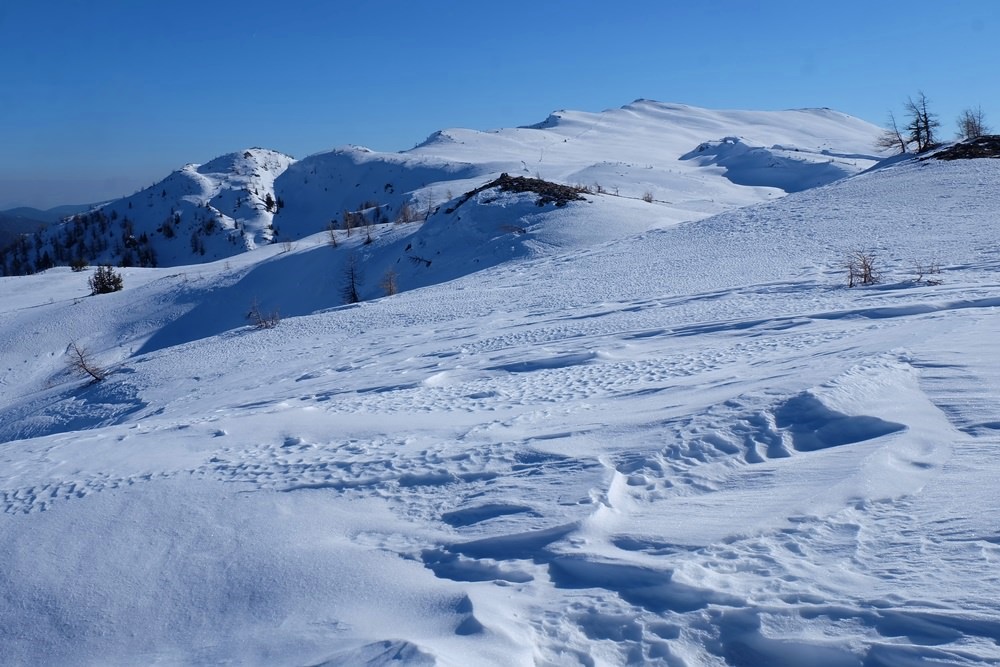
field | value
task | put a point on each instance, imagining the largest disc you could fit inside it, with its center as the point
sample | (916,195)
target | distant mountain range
(28,220)
(46,215)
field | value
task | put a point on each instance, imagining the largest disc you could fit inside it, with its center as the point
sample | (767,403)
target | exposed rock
(987,145)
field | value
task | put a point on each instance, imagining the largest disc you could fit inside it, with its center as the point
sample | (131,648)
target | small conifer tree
(105,280)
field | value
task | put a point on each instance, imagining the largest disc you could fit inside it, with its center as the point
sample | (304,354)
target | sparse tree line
(353,274)
(918,130)
(80,240)
(105,235)
(364,219)
(371,213)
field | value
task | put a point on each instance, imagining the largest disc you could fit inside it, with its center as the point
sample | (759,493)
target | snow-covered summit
(248,163)
(222,207)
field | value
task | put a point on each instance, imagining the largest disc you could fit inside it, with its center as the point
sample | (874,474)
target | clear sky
(101,97)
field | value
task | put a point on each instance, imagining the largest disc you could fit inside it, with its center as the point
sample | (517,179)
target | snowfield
(582,435)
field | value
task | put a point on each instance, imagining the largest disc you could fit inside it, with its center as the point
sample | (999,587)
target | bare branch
(892,138)
(923,123)
(861,268)
(972,124)
(262,320)
(81,362)
(390,282)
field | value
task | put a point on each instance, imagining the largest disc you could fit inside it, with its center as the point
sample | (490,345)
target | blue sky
(101,97)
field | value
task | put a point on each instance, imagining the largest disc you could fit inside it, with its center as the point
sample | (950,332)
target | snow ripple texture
(692,446)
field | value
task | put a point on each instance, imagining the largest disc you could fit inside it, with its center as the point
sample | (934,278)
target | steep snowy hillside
(678,444)
(198,213)
(689,162)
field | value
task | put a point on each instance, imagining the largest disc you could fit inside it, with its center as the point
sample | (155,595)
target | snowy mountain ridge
(643,150)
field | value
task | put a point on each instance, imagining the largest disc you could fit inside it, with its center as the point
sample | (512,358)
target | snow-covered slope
(668,152)
(620,147)
(673,444)
(692,162)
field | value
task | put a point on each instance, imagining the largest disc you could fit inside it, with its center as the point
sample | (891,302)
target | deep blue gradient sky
(101,97)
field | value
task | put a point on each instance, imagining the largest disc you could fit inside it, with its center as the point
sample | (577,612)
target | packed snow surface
(579,435)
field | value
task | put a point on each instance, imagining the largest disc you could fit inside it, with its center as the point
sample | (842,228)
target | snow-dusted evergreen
(606,432)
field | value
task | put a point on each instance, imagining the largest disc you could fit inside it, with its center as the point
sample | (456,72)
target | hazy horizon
(108,97)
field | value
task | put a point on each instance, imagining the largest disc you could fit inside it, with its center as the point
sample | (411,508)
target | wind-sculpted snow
(602,438)
(789,169)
